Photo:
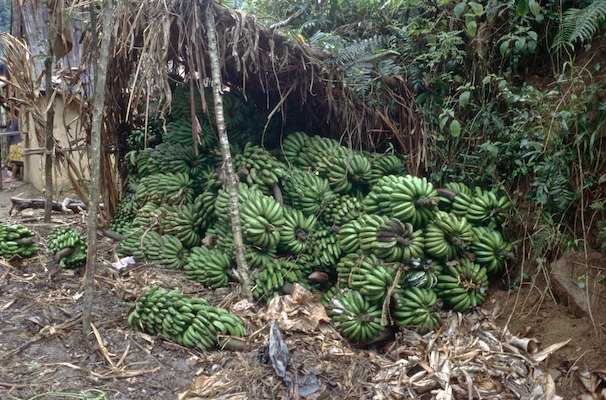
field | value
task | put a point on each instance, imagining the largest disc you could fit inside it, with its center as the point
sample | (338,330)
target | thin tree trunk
(232,182)
(48,137)
(95,158)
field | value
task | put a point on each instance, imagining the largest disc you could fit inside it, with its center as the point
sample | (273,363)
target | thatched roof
(153,38)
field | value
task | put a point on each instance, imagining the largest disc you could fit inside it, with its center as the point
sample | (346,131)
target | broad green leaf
(532,46)
(533,35)
(504,48)
(459,9)
(477,8)
(443,122)
(535,7)
(472,27)
(522,7)
(464,98)
(455,128)
(539,18)
(520,44)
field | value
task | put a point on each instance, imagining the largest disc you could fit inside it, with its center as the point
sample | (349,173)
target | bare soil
(43,353)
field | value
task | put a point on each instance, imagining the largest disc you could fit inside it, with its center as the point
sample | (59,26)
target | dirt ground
(43,353)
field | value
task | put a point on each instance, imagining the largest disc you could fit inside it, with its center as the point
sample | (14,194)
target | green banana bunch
(133,244)
(408,198)
(170,188)
(262,220)
(340,210)
(462,286)
(448,236)
(16,239)
(456,198)
(355,317)
(383,165)
(188,321)
(180,132)
(148,217)
(183,221)
(62,238)
(292,146)
(137,139)
(295,236)
(222,237)
(264,169)
(125,213)
(317,152)
(175,255)
(208,267)
(390,239)
(488,210)
(324,247)
(369,275)
(269,280)
(259,256)
(306,191)
(416,309)
(348,235)
(491,251)
(423,274)
(348,173)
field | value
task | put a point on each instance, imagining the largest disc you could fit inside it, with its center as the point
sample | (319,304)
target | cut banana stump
(463,286)
(188,321)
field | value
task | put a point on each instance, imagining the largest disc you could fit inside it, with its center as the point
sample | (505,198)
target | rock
(567,276)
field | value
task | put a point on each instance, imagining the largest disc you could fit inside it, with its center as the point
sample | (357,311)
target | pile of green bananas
(64,238)
(148,245)
(462,286)
(416,308)
(339,210)
(16,239)
(384,165)
(188,321)
(355,317)
(369,275)
(448,236)
(390,239)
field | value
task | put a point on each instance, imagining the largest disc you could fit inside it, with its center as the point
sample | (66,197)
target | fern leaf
(580,25)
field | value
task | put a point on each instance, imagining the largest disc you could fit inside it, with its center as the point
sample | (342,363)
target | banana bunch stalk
(355,317)
(16,239)
(188,321)
(417,309)
(463,286)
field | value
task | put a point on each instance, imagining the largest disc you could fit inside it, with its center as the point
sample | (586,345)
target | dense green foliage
(468,63)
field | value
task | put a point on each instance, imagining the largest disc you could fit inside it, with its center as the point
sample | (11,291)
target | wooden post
(232,181)
(48,137)
(95,159)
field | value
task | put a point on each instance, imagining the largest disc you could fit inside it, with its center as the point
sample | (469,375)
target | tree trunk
(243,273)
(48,137)
(95,157)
